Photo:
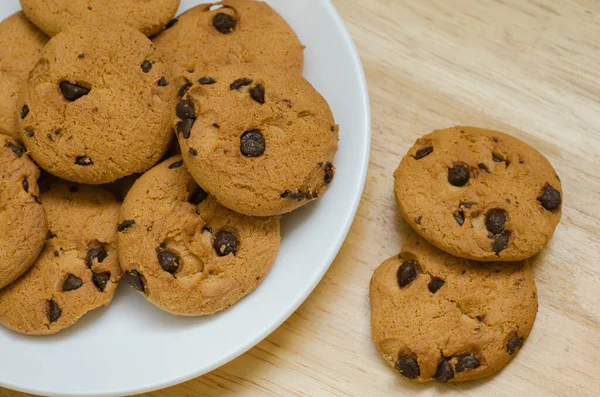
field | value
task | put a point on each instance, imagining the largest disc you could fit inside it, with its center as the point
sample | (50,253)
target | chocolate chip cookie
(479,194)
(437,317)
(147,16)
(232,31)
(99,104)
(185,252)
(77,271)
(20,46)
(260,140)
(23,224)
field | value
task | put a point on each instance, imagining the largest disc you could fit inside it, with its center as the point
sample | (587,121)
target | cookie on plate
(185,252)
(260,140)
(20,46)
(23,224)
(147,16)
(437,317)
(99,104)
(232,31)
(77,271)
(479,194)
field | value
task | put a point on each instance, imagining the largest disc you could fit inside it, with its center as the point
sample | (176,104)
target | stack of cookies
(459,300)
(162,149)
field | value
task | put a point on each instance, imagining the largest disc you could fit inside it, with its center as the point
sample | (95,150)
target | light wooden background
(527,67)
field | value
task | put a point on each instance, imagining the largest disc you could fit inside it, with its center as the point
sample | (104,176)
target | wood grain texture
(530,68)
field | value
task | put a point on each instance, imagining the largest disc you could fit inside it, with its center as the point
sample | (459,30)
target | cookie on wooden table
(147,16)
(259,139)
(77,271)
(185,252)
(23,224)
(438,317)
(99,104)
(232,31)
(479,194)
(20,46)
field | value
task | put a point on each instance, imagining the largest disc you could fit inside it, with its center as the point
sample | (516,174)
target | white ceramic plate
(132,347)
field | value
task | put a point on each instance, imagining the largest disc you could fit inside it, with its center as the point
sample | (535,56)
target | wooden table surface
(530,68)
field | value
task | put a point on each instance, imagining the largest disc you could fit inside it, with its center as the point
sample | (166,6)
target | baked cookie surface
(479,194)
(147,16)
(20,46)
(23,224)
(437,317)
(78,269)
(261,141)
(185,252)
(229,32)
(99,104)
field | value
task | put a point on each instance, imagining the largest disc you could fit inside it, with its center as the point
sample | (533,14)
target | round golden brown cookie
(100,104)
(23,225)
(186,253)
(229,32)
(20,46)
(437,317)
(260,140)
(479,194)
(77,271)
(147,16)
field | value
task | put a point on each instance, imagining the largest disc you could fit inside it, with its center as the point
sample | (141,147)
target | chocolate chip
(184,127)
(125,225)
(408,367)
(37,199)
(224,23)
(29,132)
(198,196)
(72,92)
(458,175)
(239,83)
(81,56)
(495,221)
(258,93)
(54,311)
(225,243)
(207,80)
(423,152)
(299,196)
(25,184)
(185,109)
(418,220)
(73,188)
(17,149)
(550,198)
(100,280)
(176,164)
(252,143)
(57,131)
(72,283)
(50,137)
(467,362)
(136,279)
(193,151)
(50,235)
(84,161)
(184,88)
(95,254)
(435,284)
(169,261)
(500,242)
(480,317)
(171,23)
(333,128)
(24,111)
(497,158)
(444,372)
(163,82)
(216,125)
(514,344)
(329,173)
(146,66)
(459,217)
(407,273)
(465,204)
(56,254)
(483,167)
